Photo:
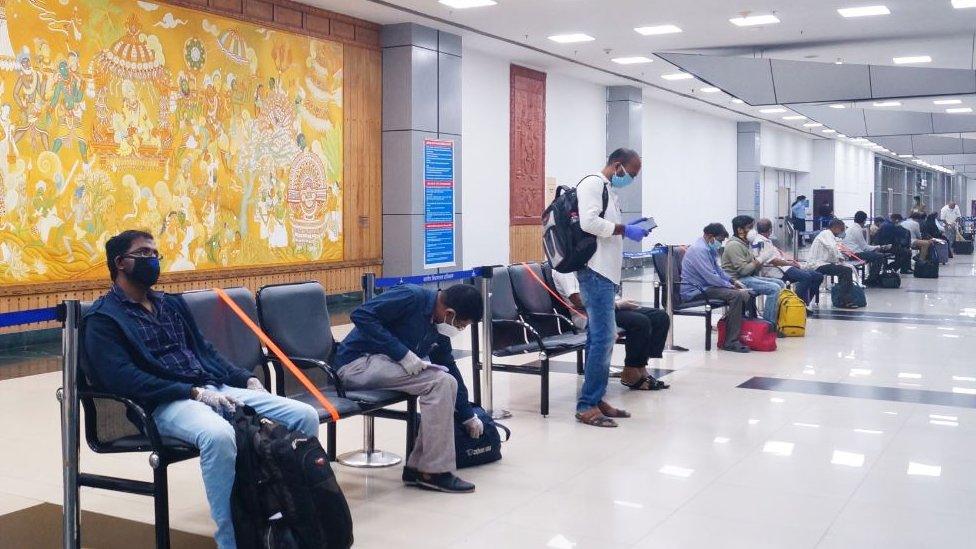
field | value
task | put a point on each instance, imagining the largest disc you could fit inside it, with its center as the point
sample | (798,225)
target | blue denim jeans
(598,294)
(769,287)
(197,424)
(807,282)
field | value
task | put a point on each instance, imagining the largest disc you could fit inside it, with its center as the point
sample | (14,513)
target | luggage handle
(295,371)
(508,432)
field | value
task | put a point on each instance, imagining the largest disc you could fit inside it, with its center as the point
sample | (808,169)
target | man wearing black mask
(145,345)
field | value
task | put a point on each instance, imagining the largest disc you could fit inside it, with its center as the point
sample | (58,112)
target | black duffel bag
(285,493)
(926,268)
(962,247)
(889,280)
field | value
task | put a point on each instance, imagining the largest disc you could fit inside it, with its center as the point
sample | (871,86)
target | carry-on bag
(567,246)
(470,452)
(847,296)
(889,280)
(926,268)
(962,247)
(939,252)
(792,318)
(755,333)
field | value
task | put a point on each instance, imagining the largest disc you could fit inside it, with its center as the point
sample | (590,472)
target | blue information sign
(438,203)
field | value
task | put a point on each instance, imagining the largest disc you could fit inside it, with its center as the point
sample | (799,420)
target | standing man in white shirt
(600,278)
(949,215)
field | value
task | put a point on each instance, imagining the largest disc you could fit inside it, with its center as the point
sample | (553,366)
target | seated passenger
(741,265)
(776,265)
(856,240)
(874,229)
(145,345)
(701,277)
(898,240)
(827,259)
(931,230)
(645,329)
(402,342)
(919,242)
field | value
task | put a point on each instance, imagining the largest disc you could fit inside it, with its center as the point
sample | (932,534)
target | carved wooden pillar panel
(527,162)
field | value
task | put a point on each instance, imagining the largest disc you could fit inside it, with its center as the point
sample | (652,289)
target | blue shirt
(164,334)
(700,271)
(799,210)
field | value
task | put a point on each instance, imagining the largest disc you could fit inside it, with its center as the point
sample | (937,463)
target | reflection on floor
(821,463)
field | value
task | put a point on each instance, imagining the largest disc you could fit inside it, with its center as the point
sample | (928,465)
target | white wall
(846,168)
(689,171)
(484,162)
(785,150)
(576,128)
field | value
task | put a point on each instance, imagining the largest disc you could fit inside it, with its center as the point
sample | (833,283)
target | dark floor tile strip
(908,319)
(891,394)
(938,291)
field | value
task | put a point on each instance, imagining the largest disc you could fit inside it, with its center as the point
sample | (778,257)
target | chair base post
(161,505)
(369,457)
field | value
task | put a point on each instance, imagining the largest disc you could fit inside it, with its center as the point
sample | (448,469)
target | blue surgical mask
(620,181)
(715,245)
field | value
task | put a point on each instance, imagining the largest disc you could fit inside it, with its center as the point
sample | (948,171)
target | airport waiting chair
(697,307)
(116,425)
(512,335)
(296,318)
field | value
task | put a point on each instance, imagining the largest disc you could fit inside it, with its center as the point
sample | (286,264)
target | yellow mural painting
(222,138)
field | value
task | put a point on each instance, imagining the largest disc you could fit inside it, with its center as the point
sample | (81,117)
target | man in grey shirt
(913,224)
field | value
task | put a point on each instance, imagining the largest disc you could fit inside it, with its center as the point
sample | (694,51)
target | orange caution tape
(295,370)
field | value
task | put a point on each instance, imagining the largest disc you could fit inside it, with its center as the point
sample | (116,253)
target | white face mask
(447,328)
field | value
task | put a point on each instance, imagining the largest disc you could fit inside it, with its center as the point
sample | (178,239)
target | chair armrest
(558,317)
(536,338)
(148,424)
(315,364)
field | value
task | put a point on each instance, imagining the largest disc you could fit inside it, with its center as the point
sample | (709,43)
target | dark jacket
(397,321)
(120,363)
(893,234)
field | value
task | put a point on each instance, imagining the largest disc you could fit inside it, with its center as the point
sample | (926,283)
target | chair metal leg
(330,440)
(476,379)
(544,408)
(369,457)
(708,329)
(161,504)
(579,362)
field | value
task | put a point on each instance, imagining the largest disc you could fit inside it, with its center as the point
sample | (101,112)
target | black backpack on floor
(285,494)
(470,451)
(889,280)
(568,247)
(926,268)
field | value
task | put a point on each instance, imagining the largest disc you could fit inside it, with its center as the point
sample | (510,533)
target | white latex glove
(255,384)
(475,427)
(627,304)
(222,404)
(412,363)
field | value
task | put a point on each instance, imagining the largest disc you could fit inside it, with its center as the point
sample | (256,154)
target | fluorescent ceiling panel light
(778,448)
(838,106)
(828,130)
(887,103)
(849,459)
(654,30)
(947,101)
(571,38)
(812,125)
(636,60)
(777,400)
(904,156)
(841,135)
(940,416)
(464,4)
(738,101)
(810,425)
(675,471)
(864,11)
(677,76)
(721,440)
(958,110)
(709,89)
(960,4)
(754,20)
(963,378)
(923,470)
(964,390)
(774,110)
(943,422)
(912,59)
(859,372)
(869,431)
(795,117)
(909,375)
(753,421)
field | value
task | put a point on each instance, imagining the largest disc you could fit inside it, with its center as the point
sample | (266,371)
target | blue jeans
(598,294)
(197,424)
(768,287)
(807,282)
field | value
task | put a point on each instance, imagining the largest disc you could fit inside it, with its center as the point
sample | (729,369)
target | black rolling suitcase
(962,247)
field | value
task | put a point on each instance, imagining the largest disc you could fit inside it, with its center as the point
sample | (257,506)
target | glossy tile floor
(704,464)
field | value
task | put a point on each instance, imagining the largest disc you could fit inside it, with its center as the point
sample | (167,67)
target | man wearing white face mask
(402,342)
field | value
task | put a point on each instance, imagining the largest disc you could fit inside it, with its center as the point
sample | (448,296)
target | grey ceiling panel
(932,144)
(953,123)
(899,144)
(805,82)
(950,159)
(914,81)
(846,121)
(897,122)
(748,79)
(968,145)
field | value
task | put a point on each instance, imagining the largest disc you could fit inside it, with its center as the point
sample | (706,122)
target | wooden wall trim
(527,146)
(293,17)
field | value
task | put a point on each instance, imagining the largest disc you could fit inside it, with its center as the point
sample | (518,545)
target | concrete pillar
(749,171)
(625,129)
(421,100)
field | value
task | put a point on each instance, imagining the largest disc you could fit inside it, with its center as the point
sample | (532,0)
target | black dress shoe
(443,482)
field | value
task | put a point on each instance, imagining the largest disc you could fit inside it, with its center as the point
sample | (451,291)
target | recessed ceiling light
(912,59)
(904,156)
(709,89)
(887,103)
(838,106)
(838,62)
(464,4)
(778,448)
(864,11)
(828,130)
(631,60)
(841,135)
(850,459)
(571,38)
(795,117)
(958,110)
(658,29)
(960,4)
(737,101)
(677,76)
(813,125)
(753,20)
(924,470)
(774,110)
(947,101)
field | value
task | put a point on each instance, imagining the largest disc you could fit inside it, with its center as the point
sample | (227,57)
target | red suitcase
(758,335)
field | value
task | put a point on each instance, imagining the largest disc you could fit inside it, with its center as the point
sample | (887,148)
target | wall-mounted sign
(438,203)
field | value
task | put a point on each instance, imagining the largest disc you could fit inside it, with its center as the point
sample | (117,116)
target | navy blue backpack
(479,451)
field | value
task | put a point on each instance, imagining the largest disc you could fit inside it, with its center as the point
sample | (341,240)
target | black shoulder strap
(606,193)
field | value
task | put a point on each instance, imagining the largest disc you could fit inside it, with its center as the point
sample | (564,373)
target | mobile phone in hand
(649,224)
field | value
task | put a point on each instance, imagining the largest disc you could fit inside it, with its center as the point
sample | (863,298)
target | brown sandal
(610,411)
(596,420)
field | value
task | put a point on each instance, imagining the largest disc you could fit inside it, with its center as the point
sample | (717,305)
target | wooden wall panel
(525,243)
(527,146)
(362,153)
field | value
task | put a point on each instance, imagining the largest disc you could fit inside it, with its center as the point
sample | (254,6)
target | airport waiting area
(324,274)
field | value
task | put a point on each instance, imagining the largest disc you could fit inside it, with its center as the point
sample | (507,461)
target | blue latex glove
(635,232)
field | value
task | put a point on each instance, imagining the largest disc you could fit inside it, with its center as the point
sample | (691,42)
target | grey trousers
(437,391)
(737,300)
